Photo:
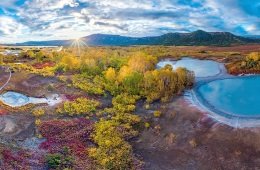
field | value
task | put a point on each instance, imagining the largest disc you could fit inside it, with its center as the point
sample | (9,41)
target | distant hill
(253,36)
(179,39)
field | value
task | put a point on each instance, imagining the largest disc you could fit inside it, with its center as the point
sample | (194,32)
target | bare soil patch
(188,139)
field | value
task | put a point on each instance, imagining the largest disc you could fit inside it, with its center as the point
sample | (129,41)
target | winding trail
(9,78)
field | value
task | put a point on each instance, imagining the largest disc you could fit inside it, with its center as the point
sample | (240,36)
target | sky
(38,20)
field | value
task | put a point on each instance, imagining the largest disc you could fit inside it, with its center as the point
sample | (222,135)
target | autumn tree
(142,62)
(110,75)
(165,82)
(70,62)
(132,83)
(255,56)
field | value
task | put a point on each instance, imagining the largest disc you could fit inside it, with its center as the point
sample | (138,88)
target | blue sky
(26,20)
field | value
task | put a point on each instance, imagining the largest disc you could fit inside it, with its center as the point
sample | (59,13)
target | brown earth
(244,49)
(185,138)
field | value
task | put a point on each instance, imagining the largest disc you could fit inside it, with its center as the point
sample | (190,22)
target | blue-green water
(238,96)
(14,99)
(201,68)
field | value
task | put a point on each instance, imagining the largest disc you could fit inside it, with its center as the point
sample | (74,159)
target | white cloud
(51,4)
(10,29)
(250,28)
(65,19)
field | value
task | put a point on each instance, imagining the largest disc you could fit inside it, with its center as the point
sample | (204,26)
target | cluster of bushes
(112,133)
(80,106)
(47,71)
(134,74)
(138,77)
(249,64)
(128,75)
(67,143)
(88,84)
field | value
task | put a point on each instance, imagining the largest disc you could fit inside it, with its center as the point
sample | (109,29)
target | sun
(78,45)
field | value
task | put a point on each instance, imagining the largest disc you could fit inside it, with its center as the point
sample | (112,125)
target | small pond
(15,99)
(201,68)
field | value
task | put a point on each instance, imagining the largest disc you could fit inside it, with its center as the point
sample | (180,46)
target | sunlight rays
(77,46)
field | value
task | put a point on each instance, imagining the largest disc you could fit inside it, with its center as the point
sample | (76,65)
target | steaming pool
(233,100)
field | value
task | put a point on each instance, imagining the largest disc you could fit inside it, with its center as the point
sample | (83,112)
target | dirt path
(9,78)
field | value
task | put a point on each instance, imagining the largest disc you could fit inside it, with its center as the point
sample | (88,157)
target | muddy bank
(188,139)
(15,128)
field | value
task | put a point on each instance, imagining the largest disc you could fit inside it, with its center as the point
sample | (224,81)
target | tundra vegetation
(127,74)
(249,64)
(85,133)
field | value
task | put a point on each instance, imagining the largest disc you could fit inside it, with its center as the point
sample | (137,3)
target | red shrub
(21,159)
(3,112)
(74,134)
(44,64)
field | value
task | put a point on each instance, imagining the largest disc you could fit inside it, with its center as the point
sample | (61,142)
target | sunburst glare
(78,46)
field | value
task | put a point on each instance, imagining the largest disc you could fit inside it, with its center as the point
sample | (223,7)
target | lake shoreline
(195,97)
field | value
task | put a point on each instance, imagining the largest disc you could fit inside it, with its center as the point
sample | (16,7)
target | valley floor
(183,137)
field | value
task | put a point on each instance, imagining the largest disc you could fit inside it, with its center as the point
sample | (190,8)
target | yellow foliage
(110,74)
(70,62)
(124,72)
(147,125)
(157,114)
(38,112)
(38,122)
(113,152)
(141,62)
(80,106)
(255,56)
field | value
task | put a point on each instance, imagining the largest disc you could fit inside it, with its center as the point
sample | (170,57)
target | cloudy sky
(25,20)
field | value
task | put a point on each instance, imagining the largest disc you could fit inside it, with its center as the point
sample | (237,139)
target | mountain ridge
(196,38)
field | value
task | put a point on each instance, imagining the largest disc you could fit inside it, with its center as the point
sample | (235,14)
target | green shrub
(59,161)
(53,160)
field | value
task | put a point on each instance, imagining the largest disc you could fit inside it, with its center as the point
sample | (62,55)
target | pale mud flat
(17,131)
(15,99)
(16,127)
